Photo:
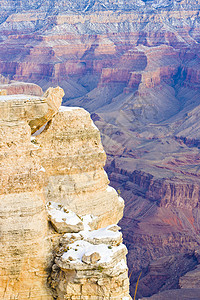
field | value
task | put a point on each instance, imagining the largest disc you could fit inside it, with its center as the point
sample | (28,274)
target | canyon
(135,67)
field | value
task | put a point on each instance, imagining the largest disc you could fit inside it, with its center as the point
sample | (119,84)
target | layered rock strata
(62,162)
(73,158)
(53,98)
(14,87)
(23,221)
(90,264)
(134,63)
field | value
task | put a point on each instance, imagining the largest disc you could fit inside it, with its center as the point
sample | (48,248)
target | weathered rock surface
(64,162)
(62,219)
(161,223)
(23,221)
(191,279)
(9,6)
(86,269)
(11,87)
(136,65)
(53,98)
(15,108)
(165,273)
(73,158)
(14,87)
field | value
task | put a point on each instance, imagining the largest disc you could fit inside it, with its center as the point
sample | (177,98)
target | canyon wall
(53,185)
(135,66)
(23,225)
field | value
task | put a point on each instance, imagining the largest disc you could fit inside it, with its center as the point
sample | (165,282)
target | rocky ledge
(57,213)
(89,264)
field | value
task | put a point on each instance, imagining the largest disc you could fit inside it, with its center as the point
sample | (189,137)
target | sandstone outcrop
(61,166)
(23,220)
(135,64)
(73,158)
(90,264)
(53,98)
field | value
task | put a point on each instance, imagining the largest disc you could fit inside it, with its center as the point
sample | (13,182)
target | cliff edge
(58,214)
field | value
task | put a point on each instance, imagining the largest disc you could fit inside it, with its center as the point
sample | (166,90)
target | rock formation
(62,165)
(188,285)
(73,158)
(88,264)
(23,221)
(53,99)
(135,66)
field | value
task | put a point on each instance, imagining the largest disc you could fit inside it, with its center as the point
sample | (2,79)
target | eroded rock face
(23,220)
(14,87)
(64,163)
(73,157)
(89,264)
(62,219)
(190,280)
(135,68)
(53,98)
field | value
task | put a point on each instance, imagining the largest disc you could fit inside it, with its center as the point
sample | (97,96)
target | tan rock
(100,273)
(96,237)
(62,219)
(114,228)
(64,163)
(53,97)
(15,87)
(3,92)
(91,259)
(73,157)
(23,221)
(22,107)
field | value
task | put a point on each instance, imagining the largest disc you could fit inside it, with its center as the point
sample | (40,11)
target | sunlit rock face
(23,222)
(135,66)
(73,158)
(53,184)
(88,263)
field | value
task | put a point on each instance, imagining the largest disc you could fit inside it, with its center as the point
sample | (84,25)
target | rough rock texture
(11,87)
(90,265)
(162,211)
(14,87)
(160,273)
(135,65)
(86,44)
(73,158)
(165,273)
(64,162)
(23,221)
(191,279)
(9,6)
(53,97)
(62,219)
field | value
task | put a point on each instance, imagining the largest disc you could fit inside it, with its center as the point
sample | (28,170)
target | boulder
(91,259)
(53,98)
